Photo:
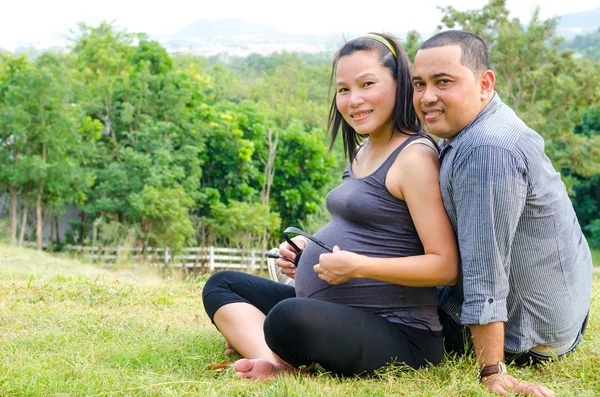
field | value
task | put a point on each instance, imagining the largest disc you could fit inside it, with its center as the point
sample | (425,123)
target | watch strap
(488,370)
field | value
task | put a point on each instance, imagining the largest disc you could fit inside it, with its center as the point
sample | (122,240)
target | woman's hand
(337,267)
(285,249)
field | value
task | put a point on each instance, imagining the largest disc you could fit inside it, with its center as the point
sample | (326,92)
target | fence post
(167,256)
(211,259)
(253,259)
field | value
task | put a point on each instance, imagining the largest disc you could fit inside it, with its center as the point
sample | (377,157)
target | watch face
(502,367)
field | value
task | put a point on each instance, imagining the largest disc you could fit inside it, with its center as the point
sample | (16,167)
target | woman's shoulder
(417,150)
(415,166)
(422,140)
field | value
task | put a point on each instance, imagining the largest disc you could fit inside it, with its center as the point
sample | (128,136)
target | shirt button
(491,300)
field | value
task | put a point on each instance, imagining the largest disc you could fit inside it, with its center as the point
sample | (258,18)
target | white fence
(202,258)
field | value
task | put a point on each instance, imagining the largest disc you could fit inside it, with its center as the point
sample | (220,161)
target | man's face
(447,95)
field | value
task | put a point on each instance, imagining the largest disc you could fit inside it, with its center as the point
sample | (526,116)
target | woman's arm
(414,178)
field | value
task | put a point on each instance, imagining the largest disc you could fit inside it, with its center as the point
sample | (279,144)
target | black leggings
(342,339)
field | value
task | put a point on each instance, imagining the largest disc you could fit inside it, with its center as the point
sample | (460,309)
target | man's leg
(457,338)
(537,356)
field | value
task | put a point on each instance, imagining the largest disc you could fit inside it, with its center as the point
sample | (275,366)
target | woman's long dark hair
(404,115)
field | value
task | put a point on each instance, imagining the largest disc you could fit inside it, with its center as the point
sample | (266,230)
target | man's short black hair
(473,50)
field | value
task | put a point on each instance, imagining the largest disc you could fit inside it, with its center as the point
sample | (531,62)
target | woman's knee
(218,292)
(289,318)
(288,331)
(219,280)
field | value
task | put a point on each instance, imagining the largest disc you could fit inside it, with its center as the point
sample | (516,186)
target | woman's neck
(384,141)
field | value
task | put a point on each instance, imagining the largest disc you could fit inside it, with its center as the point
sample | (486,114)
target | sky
(31,21)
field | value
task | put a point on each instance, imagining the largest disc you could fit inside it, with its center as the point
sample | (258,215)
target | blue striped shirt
(524,259)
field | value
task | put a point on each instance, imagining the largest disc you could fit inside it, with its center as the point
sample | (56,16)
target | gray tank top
(368,220)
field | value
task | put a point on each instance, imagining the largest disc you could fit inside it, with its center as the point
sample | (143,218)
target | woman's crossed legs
(276,332)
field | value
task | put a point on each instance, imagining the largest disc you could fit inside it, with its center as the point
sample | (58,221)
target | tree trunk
(269,171)
(82,231)
(13,215)
(38,203)
(24,219)
(39,220)
(51,242)
(265,193)
(13,206)
(57,229)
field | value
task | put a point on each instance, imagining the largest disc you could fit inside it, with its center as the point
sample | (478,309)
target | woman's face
(365,93)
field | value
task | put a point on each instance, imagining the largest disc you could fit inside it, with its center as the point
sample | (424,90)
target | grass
(70,329)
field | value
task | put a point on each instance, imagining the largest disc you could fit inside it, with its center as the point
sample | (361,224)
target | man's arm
(488,342)
(489,191)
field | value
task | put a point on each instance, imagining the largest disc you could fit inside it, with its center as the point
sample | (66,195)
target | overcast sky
(23,21)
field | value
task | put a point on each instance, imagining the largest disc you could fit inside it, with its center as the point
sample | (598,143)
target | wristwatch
(495,369)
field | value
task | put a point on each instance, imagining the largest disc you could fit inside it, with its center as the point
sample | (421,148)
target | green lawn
(69,329)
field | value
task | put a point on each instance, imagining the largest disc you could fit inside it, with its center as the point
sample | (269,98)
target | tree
(164,215)
(293,90)
(412,43)
(586,198)
(242,224)
(58,174)
(152,139)
(103,60)
(305,171)
(537,79)
(41,125)
(587,45)
(14,120)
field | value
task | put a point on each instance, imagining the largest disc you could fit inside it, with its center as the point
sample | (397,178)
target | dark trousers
(343,340)
(457,337)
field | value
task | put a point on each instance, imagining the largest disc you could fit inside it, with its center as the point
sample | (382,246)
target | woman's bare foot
(260,369)
(229,350)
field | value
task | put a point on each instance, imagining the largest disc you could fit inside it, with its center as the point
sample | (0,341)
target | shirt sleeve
(489,190)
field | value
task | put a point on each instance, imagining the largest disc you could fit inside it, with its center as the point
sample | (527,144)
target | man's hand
(488,342)
(504,384)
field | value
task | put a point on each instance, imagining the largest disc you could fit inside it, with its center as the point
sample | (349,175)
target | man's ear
(487,80)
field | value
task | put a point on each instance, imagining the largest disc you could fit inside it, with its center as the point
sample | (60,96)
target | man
(526,266)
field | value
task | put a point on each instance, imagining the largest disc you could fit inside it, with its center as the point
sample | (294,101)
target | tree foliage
(554,91)
(179,150)
(588,45)
(163,147)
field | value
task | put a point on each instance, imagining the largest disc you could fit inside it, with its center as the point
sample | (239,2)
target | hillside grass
(70,329)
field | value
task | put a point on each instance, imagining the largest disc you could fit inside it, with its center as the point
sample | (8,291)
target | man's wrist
(489,370)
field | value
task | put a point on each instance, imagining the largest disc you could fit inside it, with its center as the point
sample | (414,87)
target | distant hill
(587,44)
(579,22)
(239,37)
(228,28)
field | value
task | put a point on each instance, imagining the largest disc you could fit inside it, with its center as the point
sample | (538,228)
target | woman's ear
(487,80)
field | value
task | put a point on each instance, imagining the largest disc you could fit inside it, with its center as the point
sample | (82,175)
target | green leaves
(154,145)
(164,215)
(242,224)
(554,91)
